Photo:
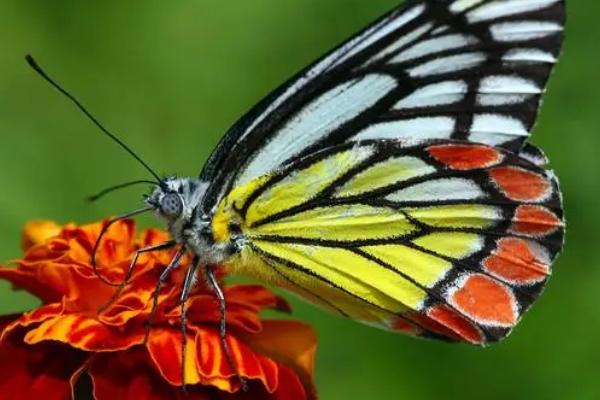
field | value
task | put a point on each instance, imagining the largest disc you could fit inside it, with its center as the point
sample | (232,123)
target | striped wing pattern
(432,69)
(450,240)
(392,181)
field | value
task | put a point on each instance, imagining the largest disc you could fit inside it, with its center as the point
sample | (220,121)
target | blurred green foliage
(170,77)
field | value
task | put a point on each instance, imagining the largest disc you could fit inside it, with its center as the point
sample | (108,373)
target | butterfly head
(174,199)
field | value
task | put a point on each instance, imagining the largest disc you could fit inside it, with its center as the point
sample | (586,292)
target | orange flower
(44,352)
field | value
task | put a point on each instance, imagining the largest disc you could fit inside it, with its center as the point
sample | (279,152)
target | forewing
(439,69)
(450,240)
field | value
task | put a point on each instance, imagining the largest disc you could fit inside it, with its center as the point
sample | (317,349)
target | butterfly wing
(446,69)
(449,240)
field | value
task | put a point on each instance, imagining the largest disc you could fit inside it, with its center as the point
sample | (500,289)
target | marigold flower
(44,352)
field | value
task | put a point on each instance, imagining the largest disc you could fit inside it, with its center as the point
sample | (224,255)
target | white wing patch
(529,55)
(501,127)
(323,115)
(523,30)
(504,8)
(443,93)
(504,90)
(427,47)
(444,65)
(424,127)
(439,190)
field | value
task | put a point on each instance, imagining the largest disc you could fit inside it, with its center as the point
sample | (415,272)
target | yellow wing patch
(386,235)
(352,222)
(302,185)
(364,279)
(451,244)
(474,216)
(383,174)
(424,269)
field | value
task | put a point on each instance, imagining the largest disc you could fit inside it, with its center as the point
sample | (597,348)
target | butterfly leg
(163,277)
(188,285)
(214,284)
(121,287)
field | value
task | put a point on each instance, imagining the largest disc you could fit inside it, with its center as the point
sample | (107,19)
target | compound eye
(171,205)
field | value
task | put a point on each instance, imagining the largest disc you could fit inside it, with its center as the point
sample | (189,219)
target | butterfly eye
(171,205)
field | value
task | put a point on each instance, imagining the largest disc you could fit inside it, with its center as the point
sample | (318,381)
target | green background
(170,77)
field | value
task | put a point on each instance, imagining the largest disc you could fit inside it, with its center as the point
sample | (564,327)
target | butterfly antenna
(114,188)
(33,64)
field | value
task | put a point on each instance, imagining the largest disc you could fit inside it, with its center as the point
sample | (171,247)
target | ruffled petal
(128,376)
(244,304)
(78,286)
(213,363)
(38,372)
(26,280)
(33,317)
(85,333)
(290,387)
(136,301)
(116,244)
(164,346)
(292,343)
(57,269)
(38,232)
(206,362)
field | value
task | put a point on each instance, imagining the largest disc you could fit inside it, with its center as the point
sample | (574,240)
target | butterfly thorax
(178,202)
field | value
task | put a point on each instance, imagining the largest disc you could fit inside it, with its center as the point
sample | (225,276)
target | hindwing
(449,239)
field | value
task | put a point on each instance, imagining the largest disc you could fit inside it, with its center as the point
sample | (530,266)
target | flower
(45,352)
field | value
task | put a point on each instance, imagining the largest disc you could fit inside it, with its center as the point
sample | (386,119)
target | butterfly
(392,181)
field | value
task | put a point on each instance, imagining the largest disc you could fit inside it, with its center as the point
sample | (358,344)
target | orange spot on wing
(520,185)
(466,157)
(460,326)
(486,300)
(535,220)
(515,260)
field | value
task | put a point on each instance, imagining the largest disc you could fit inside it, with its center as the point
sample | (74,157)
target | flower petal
(85,333)
(116,244)
(57,268)
(37,232)
(137,300)
(206,362)
(164,346)
(26,280)
(213,362)
(33,317)
(244,304)
(292,343)
(290,387)
(80,289)
(38,372)
(128,376)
